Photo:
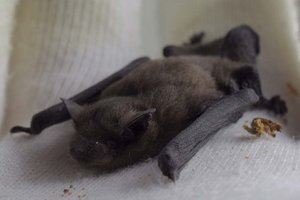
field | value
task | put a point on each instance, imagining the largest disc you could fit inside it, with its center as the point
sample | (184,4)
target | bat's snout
(82,154)
(85,152)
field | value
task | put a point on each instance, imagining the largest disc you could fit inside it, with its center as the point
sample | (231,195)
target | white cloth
(6,25)
(63,46)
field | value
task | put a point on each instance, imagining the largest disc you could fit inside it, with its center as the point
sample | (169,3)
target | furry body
(179,88)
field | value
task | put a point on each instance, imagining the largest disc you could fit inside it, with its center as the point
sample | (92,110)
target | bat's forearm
(185,145)
(58,113)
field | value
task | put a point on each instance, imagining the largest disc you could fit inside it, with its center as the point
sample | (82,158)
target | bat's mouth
(103,161)
(92,159)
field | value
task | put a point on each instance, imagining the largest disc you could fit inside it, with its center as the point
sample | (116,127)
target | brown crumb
(247,157)
(66,191)
(260,126)
(292,90)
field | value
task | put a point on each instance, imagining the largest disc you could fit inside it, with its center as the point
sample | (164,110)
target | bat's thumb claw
(62,99)
(17,129)
(168,166)
(173,176)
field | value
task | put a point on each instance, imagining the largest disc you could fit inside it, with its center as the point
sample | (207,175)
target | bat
(135,113)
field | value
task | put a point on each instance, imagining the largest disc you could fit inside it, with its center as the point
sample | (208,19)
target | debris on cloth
(260,126)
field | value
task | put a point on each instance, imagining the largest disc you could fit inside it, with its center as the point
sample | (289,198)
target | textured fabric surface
(6,25)
(62,46)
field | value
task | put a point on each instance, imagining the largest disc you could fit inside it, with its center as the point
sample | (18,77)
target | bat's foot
(197,38)
(185,49)
(247,77)
(277,105)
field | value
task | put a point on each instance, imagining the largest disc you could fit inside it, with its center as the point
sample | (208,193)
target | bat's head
(110,130)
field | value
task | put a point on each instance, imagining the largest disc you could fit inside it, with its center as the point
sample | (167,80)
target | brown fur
(179,88)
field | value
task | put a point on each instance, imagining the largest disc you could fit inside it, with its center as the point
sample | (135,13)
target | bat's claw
(173,176)
(18,129)
(167,166)
(197,38)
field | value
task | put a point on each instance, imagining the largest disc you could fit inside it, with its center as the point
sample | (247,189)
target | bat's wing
(240,44)
(187,143)
(58,113)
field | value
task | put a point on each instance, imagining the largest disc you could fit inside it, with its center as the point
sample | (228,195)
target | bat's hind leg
(240,44)
(195,46)
(247,77)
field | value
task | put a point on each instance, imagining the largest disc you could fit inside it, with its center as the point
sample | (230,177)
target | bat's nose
(86,152)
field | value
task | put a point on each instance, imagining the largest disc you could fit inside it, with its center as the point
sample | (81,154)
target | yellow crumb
(260,126)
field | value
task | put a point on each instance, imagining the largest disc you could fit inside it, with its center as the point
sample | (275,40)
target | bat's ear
(138,123)
(73,108)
